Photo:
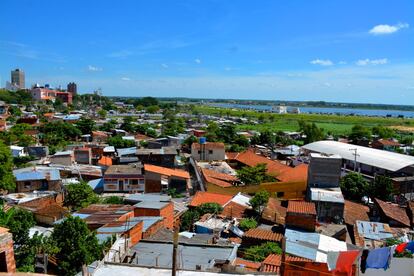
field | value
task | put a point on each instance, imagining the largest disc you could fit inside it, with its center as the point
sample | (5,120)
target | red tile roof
(301,207)
(233,210)
(209,145)
(393,211)
(206,197)
(273,262)
(281,171)
(262,234)
(355,211)
(386,142)
(248,265)
(166,171)
(219,179)
(251,159)
(274,211)
(296,174)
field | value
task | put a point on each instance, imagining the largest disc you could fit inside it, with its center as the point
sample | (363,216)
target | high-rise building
(72,88)
(17,78)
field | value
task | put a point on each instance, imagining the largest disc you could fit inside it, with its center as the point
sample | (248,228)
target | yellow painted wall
(291,190)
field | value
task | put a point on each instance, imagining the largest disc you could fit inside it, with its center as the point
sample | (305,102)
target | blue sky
(348,51)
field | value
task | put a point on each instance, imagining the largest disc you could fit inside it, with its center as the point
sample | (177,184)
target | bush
(247,223)
(259,252)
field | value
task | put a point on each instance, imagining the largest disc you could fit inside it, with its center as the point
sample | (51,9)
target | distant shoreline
(319,104)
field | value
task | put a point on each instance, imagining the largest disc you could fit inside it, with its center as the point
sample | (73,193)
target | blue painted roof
(52,174)
(373,230)
(96,183)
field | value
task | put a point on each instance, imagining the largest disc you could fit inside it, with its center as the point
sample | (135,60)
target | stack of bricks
(6,251)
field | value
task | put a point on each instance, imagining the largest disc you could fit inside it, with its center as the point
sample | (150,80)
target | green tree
(19,221)
(17,135)
(311,131)
(80,196)
(259,201)
(359,132)
(118,142)
(7,182)
(127,124)
(188,219)
(259,252)
(383,132)
(113,200)
(153,109)
(77,245)
(247,223)
(102,113)
(254,175)
(190,140)
(85,125)
(213,130)
(209,208)
(354,186)
(382,188)
(108,126)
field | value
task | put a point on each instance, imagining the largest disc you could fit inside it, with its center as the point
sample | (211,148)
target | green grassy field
(335,124)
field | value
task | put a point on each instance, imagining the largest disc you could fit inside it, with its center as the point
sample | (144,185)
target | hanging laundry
(332,258)
(410,247)
(346,260)
(401,247)
(364,257)
(379,258)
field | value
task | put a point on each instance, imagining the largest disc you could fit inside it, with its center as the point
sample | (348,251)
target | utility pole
(355,154)
(175,246)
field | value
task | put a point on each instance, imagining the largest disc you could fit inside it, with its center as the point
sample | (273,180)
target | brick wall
(135,233)
(153,229)
(303,221)
(167,212)
(42,202)
(6,247)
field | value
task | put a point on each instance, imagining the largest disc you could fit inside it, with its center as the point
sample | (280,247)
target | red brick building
(7,262)
(301,214)
(154,209)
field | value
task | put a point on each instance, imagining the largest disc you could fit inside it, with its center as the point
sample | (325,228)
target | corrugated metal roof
(147,197)
(126,151)
(149,221)
(51,174)
(312,246)
(151,205)
(374,230)
(327,195)
(387,160)
(159,255)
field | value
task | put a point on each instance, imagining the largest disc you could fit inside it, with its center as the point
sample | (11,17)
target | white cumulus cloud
(322,62)
(125,79)
(367,61)
(94,68)
(385,29)
(197,60)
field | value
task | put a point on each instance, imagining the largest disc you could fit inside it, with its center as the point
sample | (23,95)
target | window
(199,152)
(27,185)
(141,181)
(280,194)
(210,152)
(133,181)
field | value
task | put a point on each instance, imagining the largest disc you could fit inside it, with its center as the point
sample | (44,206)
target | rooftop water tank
(203,140)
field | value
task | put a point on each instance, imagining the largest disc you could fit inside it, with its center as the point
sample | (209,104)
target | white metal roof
(387,160)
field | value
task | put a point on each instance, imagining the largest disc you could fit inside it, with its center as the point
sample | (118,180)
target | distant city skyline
(339,51)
